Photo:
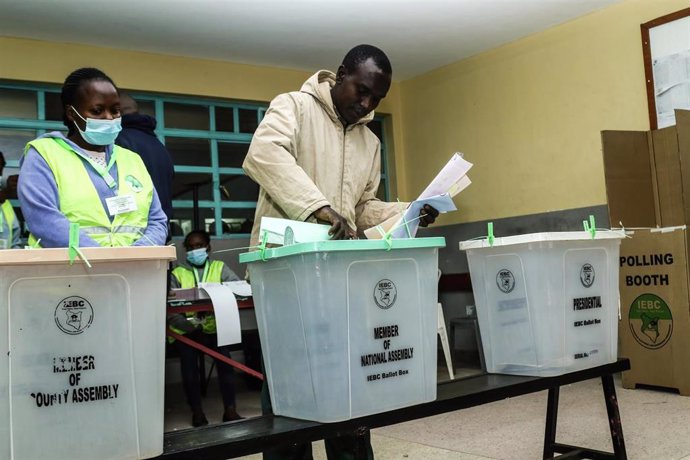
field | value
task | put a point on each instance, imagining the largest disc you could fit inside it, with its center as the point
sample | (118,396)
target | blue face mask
(99,132)
(197,256)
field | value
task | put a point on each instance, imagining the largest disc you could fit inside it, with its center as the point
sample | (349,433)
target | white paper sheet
(227,315)
(459,186)
(284,231)
(449,175)
(241,288)
(451,180)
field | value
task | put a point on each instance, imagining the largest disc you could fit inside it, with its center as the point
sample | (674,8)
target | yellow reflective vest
(9,217)
(80,202)
(189,278)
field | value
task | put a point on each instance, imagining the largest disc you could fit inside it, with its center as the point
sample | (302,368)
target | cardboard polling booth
(348,328)
(648,175)
(648,185)
(655,315)
(82,353)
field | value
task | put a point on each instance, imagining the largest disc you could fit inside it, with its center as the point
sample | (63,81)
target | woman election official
(84,178)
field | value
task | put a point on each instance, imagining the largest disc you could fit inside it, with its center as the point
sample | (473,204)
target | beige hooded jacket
(303,159)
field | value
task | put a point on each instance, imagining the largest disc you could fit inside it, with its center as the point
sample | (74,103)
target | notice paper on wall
(451,180)
(227,315)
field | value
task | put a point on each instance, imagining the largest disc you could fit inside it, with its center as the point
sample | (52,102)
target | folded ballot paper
(451,180)
(285,232)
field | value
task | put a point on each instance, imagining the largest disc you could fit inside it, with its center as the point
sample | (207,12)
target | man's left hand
(428,215)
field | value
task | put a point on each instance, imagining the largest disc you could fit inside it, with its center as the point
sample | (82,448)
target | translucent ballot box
(547,303)
(82,353)
(348,328)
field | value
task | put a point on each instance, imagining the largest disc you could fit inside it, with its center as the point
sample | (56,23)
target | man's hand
(339,229)
(428,215)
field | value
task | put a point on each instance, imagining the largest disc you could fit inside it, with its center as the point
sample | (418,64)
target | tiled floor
(656,425)
(178,416)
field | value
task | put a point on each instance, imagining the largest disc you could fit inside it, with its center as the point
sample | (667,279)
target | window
(207,139)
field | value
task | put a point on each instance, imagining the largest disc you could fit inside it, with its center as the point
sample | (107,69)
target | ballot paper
(286,232)
(453,172)
(459,186)
(225,310)
(240,288)
(451,180)
(442,203)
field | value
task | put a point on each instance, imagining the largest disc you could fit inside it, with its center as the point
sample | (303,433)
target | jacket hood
(54,134)
(139,121)
(319,86)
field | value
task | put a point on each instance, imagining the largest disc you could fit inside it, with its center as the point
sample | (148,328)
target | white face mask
(99,132)
(197,256)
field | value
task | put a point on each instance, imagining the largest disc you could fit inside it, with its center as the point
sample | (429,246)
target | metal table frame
(244,437)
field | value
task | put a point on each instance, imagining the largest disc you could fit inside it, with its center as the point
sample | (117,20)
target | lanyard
(204,276)
(103,172)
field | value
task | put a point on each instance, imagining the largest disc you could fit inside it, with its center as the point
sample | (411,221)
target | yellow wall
(33,60)
(49,62)
(529,114)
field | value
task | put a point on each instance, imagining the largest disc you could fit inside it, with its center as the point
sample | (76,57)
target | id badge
(120,204)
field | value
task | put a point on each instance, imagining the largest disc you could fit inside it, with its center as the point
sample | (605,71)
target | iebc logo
(650,321)
(385,294)
(587,275)
(73,315)
(505,280)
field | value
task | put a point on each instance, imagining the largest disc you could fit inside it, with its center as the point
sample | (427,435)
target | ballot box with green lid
(82,354)
(348,328)
(547,303)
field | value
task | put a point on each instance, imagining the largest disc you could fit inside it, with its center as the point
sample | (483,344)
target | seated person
(201,327)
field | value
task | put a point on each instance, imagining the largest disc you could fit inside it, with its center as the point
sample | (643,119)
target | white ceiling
(417,35)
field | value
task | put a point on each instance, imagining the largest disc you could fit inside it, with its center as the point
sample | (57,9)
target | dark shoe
(231,414)
(199,419)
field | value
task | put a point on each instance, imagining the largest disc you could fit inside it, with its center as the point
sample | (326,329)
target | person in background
(138,136)
(198,268)
(84,178)
(315,160)
(9,225)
